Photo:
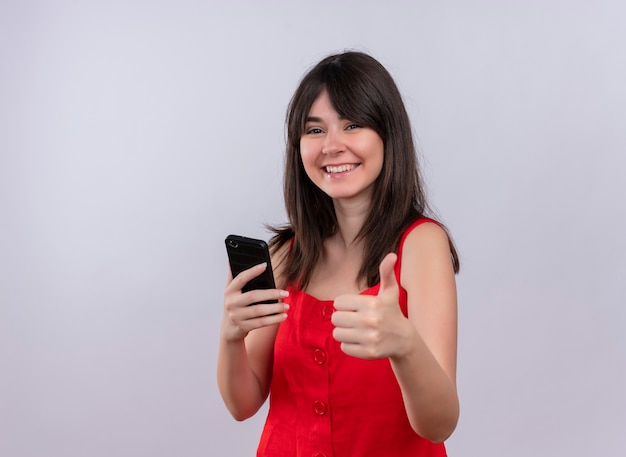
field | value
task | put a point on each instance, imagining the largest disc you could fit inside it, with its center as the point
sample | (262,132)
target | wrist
(230,335)
(408,341)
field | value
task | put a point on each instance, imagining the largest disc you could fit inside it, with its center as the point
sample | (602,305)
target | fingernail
(286,307)
(284,293)
(262,266)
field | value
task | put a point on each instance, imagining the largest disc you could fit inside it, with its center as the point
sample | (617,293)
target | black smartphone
(244,253)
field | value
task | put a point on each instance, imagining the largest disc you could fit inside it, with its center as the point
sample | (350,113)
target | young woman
(358,357)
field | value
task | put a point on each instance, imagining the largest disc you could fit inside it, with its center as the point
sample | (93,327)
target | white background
(135,135)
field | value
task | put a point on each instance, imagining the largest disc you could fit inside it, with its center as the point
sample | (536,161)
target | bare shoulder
(427,241)
(427,270)
(426,256)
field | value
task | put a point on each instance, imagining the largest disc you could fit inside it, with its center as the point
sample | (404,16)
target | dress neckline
(363,292)
(408,230)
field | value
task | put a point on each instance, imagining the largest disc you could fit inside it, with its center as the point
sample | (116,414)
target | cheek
(378,153)
(307,155)
(372,145)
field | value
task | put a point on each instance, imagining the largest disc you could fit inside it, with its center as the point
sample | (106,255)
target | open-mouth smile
(333,169)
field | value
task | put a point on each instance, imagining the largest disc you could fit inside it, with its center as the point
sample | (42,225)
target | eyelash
(316,130)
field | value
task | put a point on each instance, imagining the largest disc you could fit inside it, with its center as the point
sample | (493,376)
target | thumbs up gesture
(373,327)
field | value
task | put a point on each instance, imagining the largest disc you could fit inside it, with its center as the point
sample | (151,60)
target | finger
(238,299)
(360,351)
(349,302)
(388,281)
(245,276)
(243,321)
(344,319)
(234,298)
(347,335)
(352,343)
(263,310)
(260,296)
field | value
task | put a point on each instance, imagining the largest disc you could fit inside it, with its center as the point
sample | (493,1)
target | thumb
(388,282)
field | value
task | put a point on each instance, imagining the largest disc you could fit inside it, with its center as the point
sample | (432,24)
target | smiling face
(341,157)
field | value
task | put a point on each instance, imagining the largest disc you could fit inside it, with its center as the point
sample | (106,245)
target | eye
(313,131)
(352,126)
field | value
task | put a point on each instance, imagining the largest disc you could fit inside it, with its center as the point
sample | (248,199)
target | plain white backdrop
(135,135)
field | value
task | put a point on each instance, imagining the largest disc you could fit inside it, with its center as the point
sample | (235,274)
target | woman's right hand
(239,316)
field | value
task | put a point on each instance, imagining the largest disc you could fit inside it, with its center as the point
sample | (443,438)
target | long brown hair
(362,90)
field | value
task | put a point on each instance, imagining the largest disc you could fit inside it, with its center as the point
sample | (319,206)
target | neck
(351,216)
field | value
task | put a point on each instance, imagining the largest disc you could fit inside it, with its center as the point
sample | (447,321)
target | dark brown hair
(362,90)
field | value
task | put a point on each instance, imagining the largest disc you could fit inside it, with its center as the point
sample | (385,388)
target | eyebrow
(319,119)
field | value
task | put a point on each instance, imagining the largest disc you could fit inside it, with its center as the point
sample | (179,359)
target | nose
(333,143)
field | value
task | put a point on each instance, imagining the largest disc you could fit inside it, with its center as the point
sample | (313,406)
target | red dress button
(319,407)
(327,312)
(319,356)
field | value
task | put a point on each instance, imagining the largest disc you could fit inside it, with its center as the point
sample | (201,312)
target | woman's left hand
(373,327)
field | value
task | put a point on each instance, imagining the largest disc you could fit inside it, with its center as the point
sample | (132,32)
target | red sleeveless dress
(324,403)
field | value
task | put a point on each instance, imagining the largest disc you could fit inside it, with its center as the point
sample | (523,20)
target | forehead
(322,106)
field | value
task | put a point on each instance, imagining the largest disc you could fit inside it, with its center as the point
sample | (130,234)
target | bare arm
(426,368)
(247,334)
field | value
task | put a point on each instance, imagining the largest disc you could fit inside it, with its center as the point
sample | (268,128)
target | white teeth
(339,169)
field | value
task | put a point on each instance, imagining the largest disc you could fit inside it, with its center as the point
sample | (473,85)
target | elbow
(439,438)
(241,414)
(436,434)
(240,407)
(439,429)
(240,417)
